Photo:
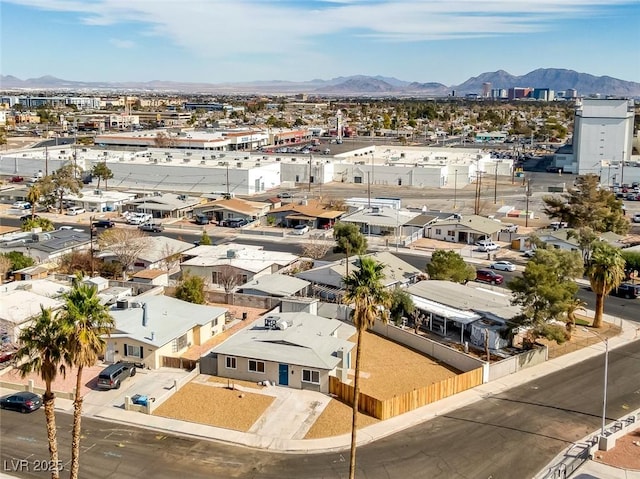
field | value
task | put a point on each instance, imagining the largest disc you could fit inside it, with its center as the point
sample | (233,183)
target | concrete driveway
(152,383)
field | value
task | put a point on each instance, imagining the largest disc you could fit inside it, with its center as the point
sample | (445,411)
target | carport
(444,319)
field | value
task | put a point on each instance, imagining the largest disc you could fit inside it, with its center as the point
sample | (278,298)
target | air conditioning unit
(186,160)
(97,192)
(239,164)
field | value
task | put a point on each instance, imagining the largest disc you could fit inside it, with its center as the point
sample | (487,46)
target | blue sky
(219,41)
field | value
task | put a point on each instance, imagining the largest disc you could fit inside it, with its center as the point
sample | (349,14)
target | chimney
(144,315)
(153,335)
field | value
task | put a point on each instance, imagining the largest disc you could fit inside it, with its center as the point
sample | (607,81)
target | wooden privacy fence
(402,403)
(178,363)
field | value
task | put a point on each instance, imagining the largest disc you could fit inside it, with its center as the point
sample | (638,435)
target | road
(514,434)
(624,308)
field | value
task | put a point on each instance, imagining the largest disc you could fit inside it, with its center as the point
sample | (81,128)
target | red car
(16,179)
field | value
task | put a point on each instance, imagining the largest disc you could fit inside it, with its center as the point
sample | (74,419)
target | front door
(283,376)
(109,354)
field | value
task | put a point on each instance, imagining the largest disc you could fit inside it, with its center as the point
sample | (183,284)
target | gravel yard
(625,454)
(388,369)
(215,406)
(335,420)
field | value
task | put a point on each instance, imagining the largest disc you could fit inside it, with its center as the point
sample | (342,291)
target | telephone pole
(528,195)
(495,186)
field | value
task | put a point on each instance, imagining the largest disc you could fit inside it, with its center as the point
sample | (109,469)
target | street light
(606,373)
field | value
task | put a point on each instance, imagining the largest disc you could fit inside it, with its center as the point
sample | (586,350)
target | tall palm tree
(365,290)
(33,196)
(605,272)
(90,321)
(43,349)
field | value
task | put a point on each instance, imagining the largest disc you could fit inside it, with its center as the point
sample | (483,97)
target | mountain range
(556,79)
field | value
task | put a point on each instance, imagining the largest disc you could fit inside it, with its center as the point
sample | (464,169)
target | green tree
(545,290)
(605,272)
(632,260)
(61,182)
(363,289)
(45,223)
(102,172)
(89,321)
(349,241)
(588,205)
(449,266)
(191,289)
(42,351)
(33,196)
(205,239)
(400,304)
(18,260)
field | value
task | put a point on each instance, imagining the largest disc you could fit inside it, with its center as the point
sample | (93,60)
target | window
(309,376)
(438,231)
(133,351)
(256,366)
(179,343)
(451,233)
(231,362)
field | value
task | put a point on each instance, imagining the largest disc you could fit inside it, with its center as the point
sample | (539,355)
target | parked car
(487,246)
(16,179)
(627,290)
(138,218)
(21,205)
(112,376)
(26,218)
(300,229)
(202,220)
(235,222)
(636,218)
(103,224)
(530,253)
(489,276)
(23,401)
(285,195)
(510,228)
(75,210)
(503,266)
(556,225)
(152,227)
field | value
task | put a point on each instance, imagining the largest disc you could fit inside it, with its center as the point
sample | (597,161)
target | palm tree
(33,196)
(44,344)
(365,290)
(605,272)
(90,321)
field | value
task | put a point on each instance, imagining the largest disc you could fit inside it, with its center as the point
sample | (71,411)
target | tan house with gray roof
(464,229)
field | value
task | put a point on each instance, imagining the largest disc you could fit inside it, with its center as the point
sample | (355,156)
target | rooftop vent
(271,322)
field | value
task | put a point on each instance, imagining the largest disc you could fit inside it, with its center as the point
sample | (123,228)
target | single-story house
(47,246)
(217,264)
(154,277)
(150,328)
(563,239)
(327,279)
(163,205)
(298,350)
(160,252)
(453,309)
(308,212)
(224,209)
(464,229)
(277,285)
(99,200)
(380,221)
(38,271)
(20,303)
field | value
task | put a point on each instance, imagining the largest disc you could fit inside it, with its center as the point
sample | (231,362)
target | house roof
(166,319)
(165,202)
(246,257)
(149,274)
(276,284)
(475,223)
(380,217)
(313,209)
(331,274)
(237,205)
(563,235)
(159,247)
(460,302)
(21,300)
(306,341)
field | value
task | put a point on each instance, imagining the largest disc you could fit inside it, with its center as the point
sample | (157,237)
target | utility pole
(46,160)
(528,195)
(495,186)
(368,190)
(310,177)
(227,165)
(91,231)
(622,169)
(455,189)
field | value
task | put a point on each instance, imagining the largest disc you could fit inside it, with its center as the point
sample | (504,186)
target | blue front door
(283,371)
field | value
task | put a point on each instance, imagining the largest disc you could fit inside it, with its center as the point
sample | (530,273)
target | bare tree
(125,244)
(163,140)
(228,278)
(171,257)
(315,249)
(5,267)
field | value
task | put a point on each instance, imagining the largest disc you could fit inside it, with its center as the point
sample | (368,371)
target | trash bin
(140,399)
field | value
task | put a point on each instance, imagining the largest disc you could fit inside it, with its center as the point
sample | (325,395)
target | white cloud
(229,29)
(119,43)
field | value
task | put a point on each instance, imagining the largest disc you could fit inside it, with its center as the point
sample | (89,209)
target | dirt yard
(234,382)
(388,368)
(335,420)
(230,409)
(626,454)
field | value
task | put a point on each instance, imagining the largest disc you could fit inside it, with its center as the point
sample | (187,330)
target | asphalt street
(510,435)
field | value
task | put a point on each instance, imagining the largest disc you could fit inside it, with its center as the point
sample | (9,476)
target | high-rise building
(602,136)
(486,89)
